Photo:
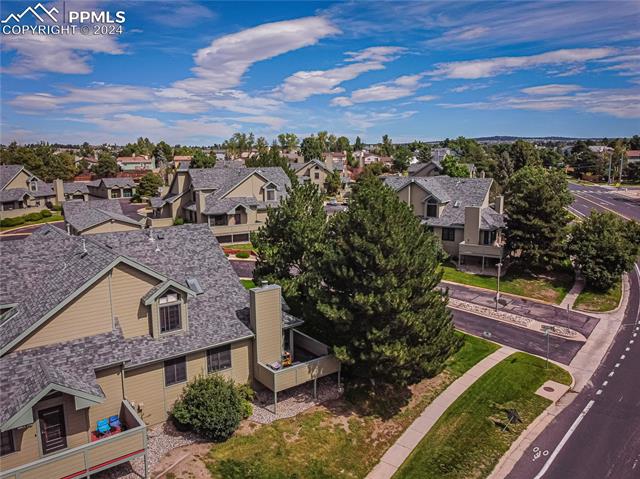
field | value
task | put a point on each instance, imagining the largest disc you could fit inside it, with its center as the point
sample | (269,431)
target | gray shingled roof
(14,194)
(114,182)
(222,206)
(50,265)
(82,215)
(222,180)
(8,172)
(75,187)
(456,193)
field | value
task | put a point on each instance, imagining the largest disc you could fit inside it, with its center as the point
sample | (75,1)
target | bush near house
(32,217)
(46,213)
(178,221)
(243,254)
(17,221)
(212,406)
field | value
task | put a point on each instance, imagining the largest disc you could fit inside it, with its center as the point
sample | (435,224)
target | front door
(52,431)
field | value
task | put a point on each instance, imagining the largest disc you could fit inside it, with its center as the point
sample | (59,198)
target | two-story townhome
(458,212)
(132,163)
(99,338)
(98,216)
(314,171)
(22,192)
(112,188)
(232,201)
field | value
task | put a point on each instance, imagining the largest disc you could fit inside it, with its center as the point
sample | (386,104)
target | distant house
(313,171)
(233,201)
(76,190)
(112,188)
(22,192)
(98,216)
(434,168)
(633,156)
(132,163)
(457,210)
(601,150)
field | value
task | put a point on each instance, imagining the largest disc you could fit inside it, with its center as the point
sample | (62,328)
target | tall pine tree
(287,245)
(379,304)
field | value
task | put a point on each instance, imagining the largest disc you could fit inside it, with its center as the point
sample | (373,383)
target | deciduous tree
(149,184)
(452,167)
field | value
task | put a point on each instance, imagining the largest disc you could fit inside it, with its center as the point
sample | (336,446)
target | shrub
(247,394)
(46,213)
(136,198)
(178,221)
(33,217)
(243,254)
(212,406)
(56,207)
(19,220)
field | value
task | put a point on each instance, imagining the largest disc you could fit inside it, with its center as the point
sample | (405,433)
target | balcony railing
(235,229)
(90,458)
(494,250)
(300,372)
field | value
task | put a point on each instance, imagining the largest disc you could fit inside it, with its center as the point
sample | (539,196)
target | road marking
(575,212)
(598,392)
(631,341)
(627,349)
(564,440)
(622,357)
(605,383)
(611,373)
(601,206)
(617,365)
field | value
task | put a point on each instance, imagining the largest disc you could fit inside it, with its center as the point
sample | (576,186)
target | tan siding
(146,385)
(62,468)
(112,449)
(111,227)
(110,380)
(252,186)
(240,370)
(27,448)
(20,181)
(128,286)
(87,315)
(267,323)
(417,198)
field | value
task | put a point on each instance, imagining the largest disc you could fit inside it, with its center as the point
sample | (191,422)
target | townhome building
(233,201)
(98,341)
(98,216)
(136,162)
(112,188)
(457,211)
(23,192)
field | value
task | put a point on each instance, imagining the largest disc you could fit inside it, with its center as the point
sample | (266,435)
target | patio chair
(103,426)
(114,422)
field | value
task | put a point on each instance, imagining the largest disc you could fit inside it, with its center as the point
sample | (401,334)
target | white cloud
(180,15)
(552,89)
(303,84)
(362,121)
(399,88)
(469,87)
(473,69)
(621,103)
(376,54)
(426,97)
(222,64)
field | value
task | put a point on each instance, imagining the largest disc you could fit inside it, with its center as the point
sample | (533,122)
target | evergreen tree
(59,166)
(379,303)
(504,169)
(401,158)
(604,246)
(287,245)
(333,182)
(387,146)
(312,148)
(106,166)
(272,157)
(452,167)
(424,153)
(524,154)
(357,145)
(149,185)
(202,160)
(536,216)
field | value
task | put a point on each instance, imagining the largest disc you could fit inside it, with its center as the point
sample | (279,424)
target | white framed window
(170,313)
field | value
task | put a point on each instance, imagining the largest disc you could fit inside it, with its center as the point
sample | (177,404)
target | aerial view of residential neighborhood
(320,239)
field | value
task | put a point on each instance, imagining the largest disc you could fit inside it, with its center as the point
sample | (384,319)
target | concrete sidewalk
(400,450)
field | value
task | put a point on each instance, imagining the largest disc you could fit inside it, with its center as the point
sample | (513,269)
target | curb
(498,471)
(517,325)
(625,290)
(542,301)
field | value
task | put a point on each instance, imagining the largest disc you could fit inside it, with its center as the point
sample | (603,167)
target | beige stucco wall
(20,181)
(128,286)
(251,186)
(110,380)
(111,227)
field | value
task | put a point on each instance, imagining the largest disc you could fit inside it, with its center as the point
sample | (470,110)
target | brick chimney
(266,322)
(58,188)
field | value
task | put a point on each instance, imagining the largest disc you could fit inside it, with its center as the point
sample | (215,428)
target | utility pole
(499,265)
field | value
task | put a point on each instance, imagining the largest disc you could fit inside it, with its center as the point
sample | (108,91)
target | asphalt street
(598,435)
(587,198)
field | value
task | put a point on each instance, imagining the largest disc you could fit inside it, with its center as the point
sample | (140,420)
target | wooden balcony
(221,230)
(311,361)
(490,251)
(90,458)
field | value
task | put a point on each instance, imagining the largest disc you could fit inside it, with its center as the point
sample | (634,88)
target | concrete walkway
(573,293)
(400,450)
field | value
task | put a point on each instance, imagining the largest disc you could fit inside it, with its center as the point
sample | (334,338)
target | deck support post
(291,345)
(315,388)
(275,403)
(483,264)
(146,465)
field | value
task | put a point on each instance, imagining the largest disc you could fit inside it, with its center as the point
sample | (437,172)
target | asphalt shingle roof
(8,172)
(456,193)
(87,214)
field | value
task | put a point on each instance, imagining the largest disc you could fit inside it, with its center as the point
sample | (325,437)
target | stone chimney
(499,204)
(58,188)
(266,322)
(472,224)
(200,204)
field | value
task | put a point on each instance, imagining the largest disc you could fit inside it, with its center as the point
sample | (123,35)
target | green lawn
(248,283)
(551,287)
(240,246)
(341,439)
(468,440)
(597,301)
(30,223)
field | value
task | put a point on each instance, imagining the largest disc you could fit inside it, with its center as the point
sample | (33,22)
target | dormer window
(431,209)
(170,312)
(271,193)
(33,185)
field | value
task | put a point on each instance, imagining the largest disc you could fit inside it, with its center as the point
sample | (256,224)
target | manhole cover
(548,389)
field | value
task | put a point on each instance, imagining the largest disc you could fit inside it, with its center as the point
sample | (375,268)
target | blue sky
(196,72)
